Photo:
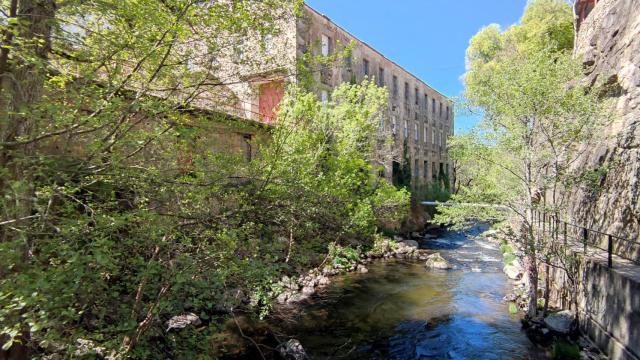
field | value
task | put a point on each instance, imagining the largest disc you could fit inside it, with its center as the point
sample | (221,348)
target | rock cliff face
(608,42)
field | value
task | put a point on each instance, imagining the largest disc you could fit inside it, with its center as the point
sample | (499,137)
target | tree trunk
(547,289)
(21,87)
(531,271)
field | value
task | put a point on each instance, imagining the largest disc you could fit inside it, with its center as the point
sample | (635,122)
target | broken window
(426,102)
(381,77)
(365,67)
(433,106)
(394,124)
(395,86)
(406,129)
(406,91)
(326,45)
(416,95)
(416,132)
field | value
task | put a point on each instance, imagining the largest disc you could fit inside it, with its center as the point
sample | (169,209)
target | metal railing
(571,233)
(578,234)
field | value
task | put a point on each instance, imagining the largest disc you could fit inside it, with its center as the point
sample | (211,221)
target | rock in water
(182,321)
(362,269)
(410,243)
(292,350)
(513,271)
(436,261)
(308,290)
(323,280)
(560,322)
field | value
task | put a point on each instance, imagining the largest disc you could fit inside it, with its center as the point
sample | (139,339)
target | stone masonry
(418,114)
(608,43)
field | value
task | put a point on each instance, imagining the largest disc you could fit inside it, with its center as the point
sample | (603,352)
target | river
(400,310)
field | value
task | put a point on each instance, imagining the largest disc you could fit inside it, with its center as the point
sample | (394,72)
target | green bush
(509,258)
(506,249)
(344,257)
(142,240)
(564,350)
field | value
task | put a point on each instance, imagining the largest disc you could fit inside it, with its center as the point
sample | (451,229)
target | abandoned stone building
(419,116)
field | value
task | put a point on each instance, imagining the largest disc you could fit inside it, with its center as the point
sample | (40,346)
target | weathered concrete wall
(608,43)
(608,304)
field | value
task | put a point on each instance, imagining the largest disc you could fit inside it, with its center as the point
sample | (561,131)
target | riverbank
(558,332)
(400,309)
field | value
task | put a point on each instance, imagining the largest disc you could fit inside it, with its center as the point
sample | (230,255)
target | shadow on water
(400,310)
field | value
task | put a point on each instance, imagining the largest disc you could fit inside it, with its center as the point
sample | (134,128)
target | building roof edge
(376,51)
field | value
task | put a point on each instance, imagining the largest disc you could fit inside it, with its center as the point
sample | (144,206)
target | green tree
(115,213)
(125,236)
(537,118)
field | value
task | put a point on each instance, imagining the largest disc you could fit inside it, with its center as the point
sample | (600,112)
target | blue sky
(426,37)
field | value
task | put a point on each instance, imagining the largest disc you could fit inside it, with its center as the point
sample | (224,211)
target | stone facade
(418,114)
(608,43)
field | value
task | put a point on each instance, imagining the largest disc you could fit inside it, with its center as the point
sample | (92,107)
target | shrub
(564,350)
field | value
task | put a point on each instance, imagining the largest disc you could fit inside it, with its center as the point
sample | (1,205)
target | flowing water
(400,310)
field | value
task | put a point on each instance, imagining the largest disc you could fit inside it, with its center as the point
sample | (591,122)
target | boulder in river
(513,270)
(296,297)
(362,269)
(560,322)
(308,290)
(323,280)
(410,243)
(436,261)
(292,350)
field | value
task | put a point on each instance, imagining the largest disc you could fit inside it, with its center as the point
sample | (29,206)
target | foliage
(117,211)
(513,308)
(563,349)
(433,191)
(381,245)
(537,119)
(506,248)
(402,174)
(509,258)
(343,257)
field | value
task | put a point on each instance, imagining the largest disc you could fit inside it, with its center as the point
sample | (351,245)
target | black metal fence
(574,234)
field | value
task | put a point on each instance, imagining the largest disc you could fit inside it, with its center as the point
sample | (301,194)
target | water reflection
(400,310)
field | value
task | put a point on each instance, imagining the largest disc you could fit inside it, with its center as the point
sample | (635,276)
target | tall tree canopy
(116,210)
(537,120)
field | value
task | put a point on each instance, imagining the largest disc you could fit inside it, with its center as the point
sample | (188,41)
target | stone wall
(608,304)
(608,43)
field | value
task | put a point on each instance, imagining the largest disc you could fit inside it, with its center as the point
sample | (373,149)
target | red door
(270,96)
